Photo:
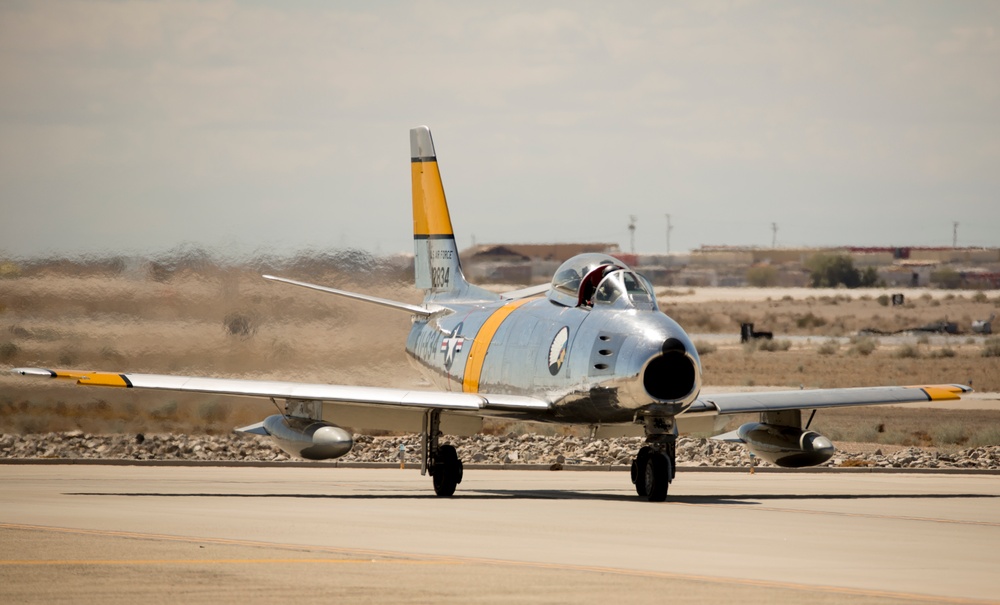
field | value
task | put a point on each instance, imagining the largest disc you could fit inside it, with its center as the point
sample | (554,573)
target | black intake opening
(670,376)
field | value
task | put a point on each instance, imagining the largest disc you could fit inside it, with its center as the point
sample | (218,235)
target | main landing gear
(653,467)
(440,460)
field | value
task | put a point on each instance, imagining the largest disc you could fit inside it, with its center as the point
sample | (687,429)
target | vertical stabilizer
(437,268)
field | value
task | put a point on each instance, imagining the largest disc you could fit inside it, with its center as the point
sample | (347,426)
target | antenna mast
(631,230)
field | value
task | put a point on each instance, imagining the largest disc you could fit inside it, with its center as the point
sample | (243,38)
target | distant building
(907,266)
(907,274)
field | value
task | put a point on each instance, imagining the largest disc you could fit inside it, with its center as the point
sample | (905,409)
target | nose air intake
(673,375)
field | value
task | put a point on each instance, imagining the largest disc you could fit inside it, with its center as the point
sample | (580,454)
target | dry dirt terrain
(230,322)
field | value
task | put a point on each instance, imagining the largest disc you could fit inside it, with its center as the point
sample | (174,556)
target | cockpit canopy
(589,280)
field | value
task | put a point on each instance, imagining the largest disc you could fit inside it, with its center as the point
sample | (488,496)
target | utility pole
(631,230)
(954,234)
(774,235)
(669,229)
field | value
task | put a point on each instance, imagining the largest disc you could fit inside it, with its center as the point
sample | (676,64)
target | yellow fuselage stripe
(481,345)
(430,210)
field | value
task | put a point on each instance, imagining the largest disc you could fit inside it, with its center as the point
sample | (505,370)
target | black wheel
(639,471)
(657,477)
(447,471)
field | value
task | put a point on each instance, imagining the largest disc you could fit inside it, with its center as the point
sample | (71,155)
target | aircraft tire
(448,471)
(657,477)
(639,471)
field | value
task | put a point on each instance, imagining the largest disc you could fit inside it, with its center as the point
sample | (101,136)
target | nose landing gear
(653,466)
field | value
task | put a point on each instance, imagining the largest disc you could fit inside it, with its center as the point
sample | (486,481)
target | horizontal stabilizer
(392,304)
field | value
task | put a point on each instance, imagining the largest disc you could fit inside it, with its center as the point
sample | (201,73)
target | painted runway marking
(31,562)
(442,559)
(777,509)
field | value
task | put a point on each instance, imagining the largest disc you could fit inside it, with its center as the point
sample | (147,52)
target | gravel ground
(482,449)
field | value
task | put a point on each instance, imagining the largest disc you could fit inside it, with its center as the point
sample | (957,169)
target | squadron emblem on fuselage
(557,350)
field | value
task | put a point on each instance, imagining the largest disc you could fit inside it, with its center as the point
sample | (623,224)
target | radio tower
(774,235)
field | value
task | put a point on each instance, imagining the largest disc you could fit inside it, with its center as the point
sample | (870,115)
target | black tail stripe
(434,236)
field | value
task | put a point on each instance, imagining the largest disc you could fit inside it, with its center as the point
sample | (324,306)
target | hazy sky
(142,126)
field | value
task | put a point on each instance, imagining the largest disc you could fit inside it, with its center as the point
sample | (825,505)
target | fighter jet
(590,348)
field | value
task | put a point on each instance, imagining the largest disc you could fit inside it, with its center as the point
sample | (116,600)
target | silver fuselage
(593,364)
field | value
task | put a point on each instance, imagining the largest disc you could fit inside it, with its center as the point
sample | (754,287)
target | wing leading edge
(775,401)
(358,395)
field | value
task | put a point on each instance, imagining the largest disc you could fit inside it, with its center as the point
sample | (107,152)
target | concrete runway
(96,534)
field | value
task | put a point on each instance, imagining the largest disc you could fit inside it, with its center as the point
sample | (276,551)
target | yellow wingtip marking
(95,379)
(952,388)
(103,379)
(71,374)
(942,392)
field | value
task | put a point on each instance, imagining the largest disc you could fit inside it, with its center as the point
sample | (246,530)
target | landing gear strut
(440,460)
(653,467)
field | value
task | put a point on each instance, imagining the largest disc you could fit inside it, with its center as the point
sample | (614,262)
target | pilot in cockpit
(588,288)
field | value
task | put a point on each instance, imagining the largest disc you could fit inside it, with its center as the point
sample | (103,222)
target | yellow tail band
(430,209)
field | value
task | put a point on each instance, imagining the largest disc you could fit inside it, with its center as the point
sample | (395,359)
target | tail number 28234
(440,277)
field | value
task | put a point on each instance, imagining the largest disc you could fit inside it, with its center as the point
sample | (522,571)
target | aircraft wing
(527,292)
(298,390)
(774,401)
